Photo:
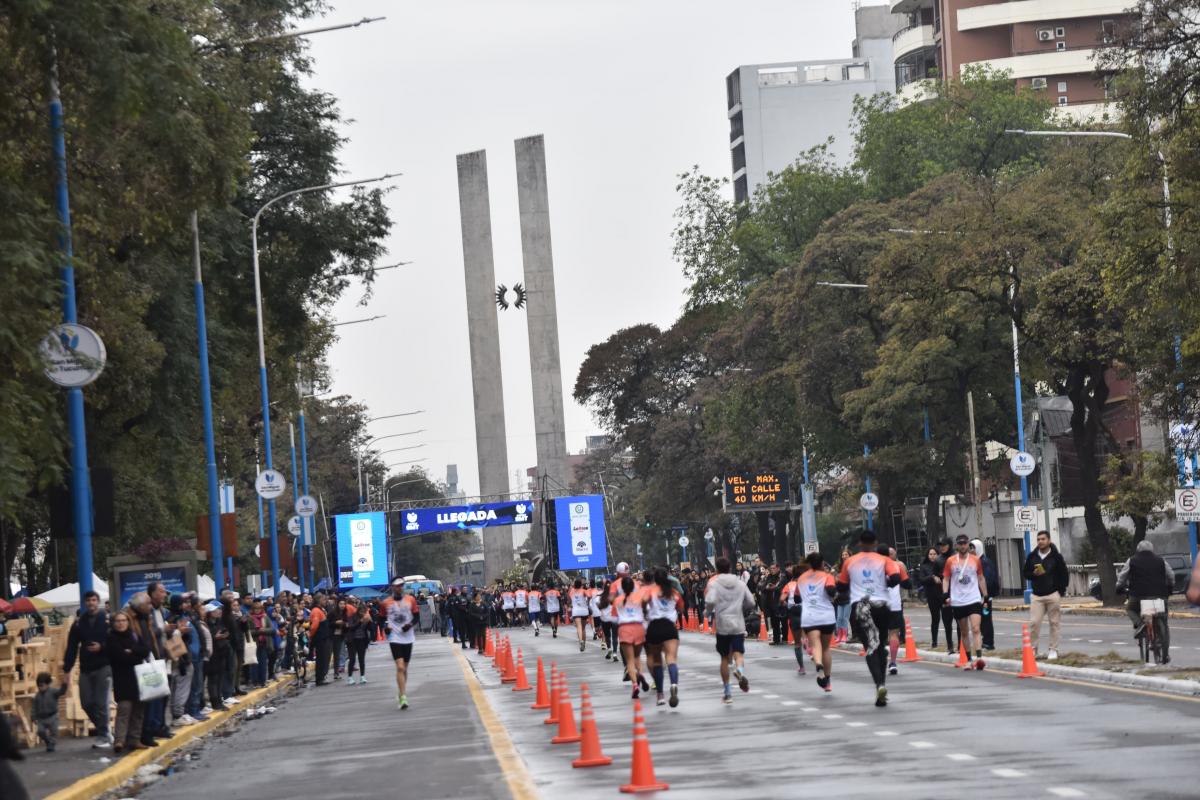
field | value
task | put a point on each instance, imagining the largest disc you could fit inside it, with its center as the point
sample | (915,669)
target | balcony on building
(1018,12)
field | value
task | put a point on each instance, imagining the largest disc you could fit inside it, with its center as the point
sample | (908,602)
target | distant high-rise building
(777,111)
(1047,45)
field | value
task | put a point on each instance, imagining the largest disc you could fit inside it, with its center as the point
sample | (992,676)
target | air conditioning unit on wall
(1045,35)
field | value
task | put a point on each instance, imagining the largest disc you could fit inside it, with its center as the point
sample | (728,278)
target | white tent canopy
(285,583)
(67,595)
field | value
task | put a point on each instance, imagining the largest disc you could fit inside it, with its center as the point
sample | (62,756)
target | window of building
(739,157)
(1060,32)
(1108,30)
(735,127)
(1062,86)
(1062,100)
(741,191)
(733,88)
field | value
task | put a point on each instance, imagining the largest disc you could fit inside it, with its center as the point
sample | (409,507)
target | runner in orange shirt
(966,591)
(631,633)
(663,605)
(895,608)
(866,575)
(818,618)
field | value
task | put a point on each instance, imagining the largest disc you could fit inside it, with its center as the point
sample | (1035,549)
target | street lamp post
(360,449)
(296,502)
(262,347)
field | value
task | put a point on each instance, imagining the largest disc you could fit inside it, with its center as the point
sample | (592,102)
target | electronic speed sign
(756,490)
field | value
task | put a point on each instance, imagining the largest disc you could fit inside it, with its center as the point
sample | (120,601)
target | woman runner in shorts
(818,618)
(631,633)
(663,605)
(594,594)
(791,599)
(580,611)
(608,623)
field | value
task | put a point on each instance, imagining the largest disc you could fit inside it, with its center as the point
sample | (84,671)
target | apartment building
(1047,45)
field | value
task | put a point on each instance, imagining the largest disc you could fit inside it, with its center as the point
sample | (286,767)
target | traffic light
(649,523)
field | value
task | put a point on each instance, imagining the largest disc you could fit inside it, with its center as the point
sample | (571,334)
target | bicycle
(1154,638)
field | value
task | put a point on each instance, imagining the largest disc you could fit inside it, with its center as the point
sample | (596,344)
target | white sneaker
(351,681)
(1052,655)
(101,743)
(188,719)
(229,701)
(206,710)
(363,679)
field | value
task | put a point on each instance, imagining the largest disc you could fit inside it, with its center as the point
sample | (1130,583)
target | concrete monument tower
(483,329)
(542,315)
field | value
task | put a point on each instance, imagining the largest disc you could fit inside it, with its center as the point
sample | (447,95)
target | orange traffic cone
(522,680)
(567,733)
(498,661)
(762,628)
(1029,668)
(962,654)
(590,754)
(555,692)
(509,675)
(489,649)
(910,646)
(642,777)
(543,694)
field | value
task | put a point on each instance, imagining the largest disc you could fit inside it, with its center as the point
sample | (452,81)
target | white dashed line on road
(960,756)
(1005,772)
(1096,641)
(832,716)
(770,697)
(856,724)
(790,703)
(921,745)
(1064,791)
(809,709)
(886,733)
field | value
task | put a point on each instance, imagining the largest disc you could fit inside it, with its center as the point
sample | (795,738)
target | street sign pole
(296,501)
(866,453)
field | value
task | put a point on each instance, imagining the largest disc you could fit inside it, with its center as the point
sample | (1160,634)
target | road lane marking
(790,703)
(856,724)
(960,756)
(770,697)
(809,709)
(512,766)
(1064,791)
(886,733)
(1005,772)
(832,716)
(920,745)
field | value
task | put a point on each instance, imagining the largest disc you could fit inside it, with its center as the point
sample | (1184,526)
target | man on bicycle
(1147,577)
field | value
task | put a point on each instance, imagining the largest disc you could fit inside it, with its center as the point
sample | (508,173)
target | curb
(124,769)
(1098,611)
(1127,680)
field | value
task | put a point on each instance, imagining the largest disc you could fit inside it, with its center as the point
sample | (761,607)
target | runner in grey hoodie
(726,602)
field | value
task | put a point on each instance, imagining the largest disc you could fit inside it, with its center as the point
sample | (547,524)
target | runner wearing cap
(966,593)
(401,611)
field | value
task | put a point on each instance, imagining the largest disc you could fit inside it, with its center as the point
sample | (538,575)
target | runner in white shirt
(594,595)
(608,622)
(580,611)
(631,633)
(818,617)
(535,609)
(553,608)
(507,604)
(895,608)
(663,603)
(400,614)
(521,603)
(966,591)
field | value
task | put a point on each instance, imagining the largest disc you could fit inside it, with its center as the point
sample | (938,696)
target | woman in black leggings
(357,638)
(930,575)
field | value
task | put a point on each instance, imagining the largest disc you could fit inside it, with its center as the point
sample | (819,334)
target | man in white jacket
(726,603)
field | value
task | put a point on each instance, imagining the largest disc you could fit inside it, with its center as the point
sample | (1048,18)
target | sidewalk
(1177,607)
(76,771)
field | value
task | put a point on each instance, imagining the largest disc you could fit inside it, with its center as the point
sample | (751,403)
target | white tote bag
(152,679)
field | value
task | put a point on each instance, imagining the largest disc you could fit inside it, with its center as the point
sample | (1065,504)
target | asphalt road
(945,733)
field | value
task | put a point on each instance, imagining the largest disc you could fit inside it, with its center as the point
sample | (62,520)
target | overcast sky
(628,93)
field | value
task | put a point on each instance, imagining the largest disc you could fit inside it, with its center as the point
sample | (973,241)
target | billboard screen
(362,555)
(756,490)
(452,518)
(582,543)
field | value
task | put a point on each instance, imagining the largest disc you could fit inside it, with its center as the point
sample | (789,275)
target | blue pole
(1181,457)
(271,515)
(925,430)
(1020,443)
(210,453)
(81,491)
(870,521)
(295,499)
(261,540)
(310,524)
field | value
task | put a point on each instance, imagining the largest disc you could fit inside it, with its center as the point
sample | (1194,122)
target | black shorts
(962,612)
(731,643)
(401,651)
(827,630)
(896,621)
(661,630)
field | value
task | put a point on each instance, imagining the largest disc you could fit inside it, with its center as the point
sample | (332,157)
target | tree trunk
(933,517)
(1088,392)
(766,539)
(31,581)
(1140,526)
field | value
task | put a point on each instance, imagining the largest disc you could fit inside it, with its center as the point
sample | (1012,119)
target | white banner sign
(1025,517)
(270,484)
(1187,505)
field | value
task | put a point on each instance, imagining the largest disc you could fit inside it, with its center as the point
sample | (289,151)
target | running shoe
(645,684)
(554,633)
(582,645)
(637,692)
(880,696)
(828,684)
(659,700)
(625,679)
(892,668)
(351,681)
(800,670)
(822,681)
(727,699)
(743,682)
(674,701)
(979,664)
(537,632)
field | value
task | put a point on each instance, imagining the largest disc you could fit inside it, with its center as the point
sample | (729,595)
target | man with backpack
(85,641)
